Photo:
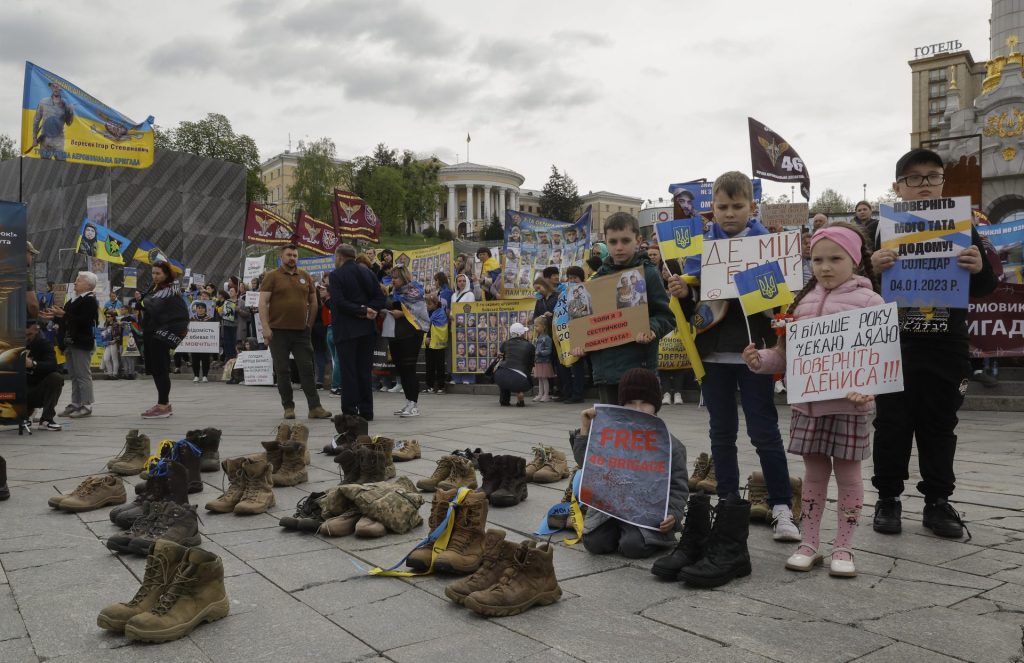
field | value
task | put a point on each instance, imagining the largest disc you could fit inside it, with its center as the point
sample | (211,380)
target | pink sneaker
(158,412)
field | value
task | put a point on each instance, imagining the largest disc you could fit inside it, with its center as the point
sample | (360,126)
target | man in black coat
(45,383)
(356,298)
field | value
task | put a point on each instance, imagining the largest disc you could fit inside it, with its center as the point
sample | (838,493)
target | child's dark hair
(864,269)
(575,271)
(916,157)
(550,271)
(622,221)
(594,263)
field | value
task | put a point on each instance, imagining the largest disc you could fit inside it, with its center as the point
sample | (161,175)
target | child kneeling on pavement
(639,389)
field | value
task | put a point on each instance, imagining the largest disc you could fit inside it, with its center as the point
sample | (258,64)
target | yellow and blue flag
(100,242)
(762,288)
(680,238)
(149,253)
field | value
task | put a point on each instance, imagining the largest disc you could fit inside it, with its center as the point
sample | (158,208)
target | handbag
(492,367)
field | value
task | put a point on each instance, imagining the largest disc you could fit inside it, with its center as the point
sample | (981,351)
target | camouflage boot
(195,595)
(757,494)
(292,470)
(178,523)
(308,514)
(419,559)
(406,450)
(497,556)
(133,459)
(94,493)
(258,493)
(709,484)
(441,472)
(160,567)
(236,486)
(528,581)
(466,544)
(273,448)
(701,467)
(209,444)
(554,468)
(511,489)
(462,475)
(348,466)
(387,446)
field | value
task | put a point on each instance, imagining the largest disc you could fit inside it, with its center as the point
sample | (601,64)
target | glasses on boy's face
(933,179)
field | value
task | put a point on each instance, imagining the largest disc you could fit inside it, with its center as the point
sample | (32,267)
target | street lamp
(865,196)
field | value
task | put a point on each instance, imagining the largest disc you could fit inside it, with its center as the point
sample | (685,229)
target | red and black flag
(353,218)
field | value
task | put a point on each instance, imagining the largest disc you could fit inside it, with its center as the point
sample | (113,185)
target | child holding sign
(830,435)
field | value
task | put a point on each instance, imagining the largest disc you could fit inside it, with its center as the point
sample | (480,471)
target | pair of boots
(503,479)
(183,451)
(512,578)
(288,453)
(168,483)
(465,549)
(208,441)
(349,427)
(133,456)
(712,550)
(406,450)
(161,519)
(367,460)
(250,488)
(308,514)
(451,472)
(371,510)
(93,493)
(757,493)
(548,465)
(703,475)
(181,589)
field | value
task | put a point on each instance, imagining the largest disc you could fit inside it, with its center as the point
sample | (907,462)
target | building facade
(476,193)
(278,175)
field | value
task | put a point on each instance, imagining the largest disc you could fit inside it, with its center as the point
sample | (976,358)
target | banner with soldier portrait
(424,263)
(479,329)
(533,243)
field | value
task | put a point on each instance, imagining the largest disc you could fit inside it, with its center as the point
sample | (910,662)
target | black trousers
(509,381)
(616,536)
(200,364)
(45,394)
(925,411)
(298,343)
(158,364)
(405,352)
(435,369)
(355,359)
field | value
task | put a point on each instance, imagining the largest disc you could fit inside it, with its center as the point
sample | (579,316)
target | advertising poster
(996,323)
(479,329)
(13,266)
(627,469)
(603,312)
(722,259)
(201,337)
(424,263)
(533,243)
(829,356)
(927,236)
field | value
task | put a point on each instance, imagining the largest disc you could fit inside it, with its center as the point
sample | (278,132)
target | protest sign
(96,359)
(628,466)
(253,268)
(692,199)
(996,322)
(13,265)
(257,319)
(829,356)
(424,263)
(131,278)
(257,367)
(317,267)
(602,313)
(722,259)
(201,337)
(672,353)
(480,328)
(129,347)
(252,298)
(779,215)
(533,243)
(382,364)
(927,236)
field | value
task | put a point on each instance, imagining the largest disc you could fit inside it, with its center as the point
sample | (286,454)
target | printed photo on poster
(533,243)
(618,312)
(479,332)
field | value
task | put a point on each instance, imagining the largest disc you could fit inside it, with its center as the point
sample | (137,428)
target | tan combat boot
(554,468)
(539,457)
(701,467)
(368,528)
(465,550)
(342,525)
(160,568)
(463,475)
(419,559)
(382,447)
(709,484)
(57,499)
(441,472)
(94,493)
(292,470)
(300,434)
(406,450)
(195,595)
(529,581)
(497,556)
(133,459)
(757,494)
(236,486)
(258,491)
(273,447)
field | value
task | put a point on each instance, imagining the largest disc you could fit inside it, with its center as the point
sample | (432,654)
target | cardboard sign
(253,268)
(927,236)
(257,367)
(605,312)
(479,329)
(672,353)
(252,298)
(996,323)
(201,337)
(778,215)
(628,466)
(722,259)
(829,356)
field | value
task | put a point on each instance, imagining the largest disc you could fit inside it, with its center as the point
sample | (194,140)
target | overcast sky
(626,97)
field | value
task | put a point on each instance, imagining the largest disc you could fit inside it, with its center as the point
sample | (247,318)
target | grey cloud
(421,88)
(185,55)
(43,39)
(582,38)
(510,54)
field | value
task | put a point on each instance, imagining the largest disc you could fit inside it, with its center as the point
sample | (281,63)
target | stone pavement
(297,597)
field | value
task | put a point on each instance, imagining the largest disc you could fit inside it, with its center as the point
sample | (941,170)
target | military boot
(709,484)
(273,447)
(209,444)
(690,548)
(554,468)
(368,528)
(195,595)
(725,554)
(528,581)
(122,543)
(489,476)
(511,489)
(308,514)
(258,492)
(160,568)
(133,459)
(757,494)
(169,483)
(299,435)
(498,554)
(701,467)
(348,466)
(539,457)
(463,475)
(236,486)
(372,463)
(406,450)
(441,472)
(55,501)
(163,450)
(466,544)
(292,470)
(177,522)
(387,446)
(419,559)
(188,454)
(94,493)
(341,525)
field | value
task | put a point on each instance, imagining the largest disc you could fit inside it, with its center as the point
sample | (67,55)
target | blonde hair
(402,272)
(735,185)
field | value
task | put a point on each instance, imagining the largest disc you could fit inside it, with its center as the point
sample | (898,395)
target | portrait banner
(996,323)
(353,218)
(533,243)
(101,243)
(254,267)
(691,200)
(479,329)
(927,236)
(315,235)
(628,465)
(60,121)
(605,312)
(13,267)
(829,356)
(257,367)
(1008,240)
(201,337)
(424,263)
(263,226)
(722,259)
(774,159)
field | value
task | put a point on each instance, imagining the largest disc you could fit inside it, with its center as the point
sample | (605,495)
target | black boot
(690,548)
(209,443)
(348,465)
(5,493)
(511,489)
(490,478)
(944,520)
(308,514)
(888,515)
(188,455)
(725,555)
(169,483)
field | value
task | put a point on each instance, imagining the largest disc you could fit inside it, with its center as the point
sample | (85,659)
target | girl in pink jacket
(829,434)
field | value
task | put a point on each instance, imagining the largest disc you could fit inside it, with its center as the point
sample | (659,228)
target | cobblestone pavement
(297,597)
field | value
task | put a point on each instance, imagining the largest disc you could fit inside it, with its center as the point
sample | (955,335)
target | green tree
(8,150)
(887,198)
(831,202)
(560,199)
(494,231)
(422,192)
(316,175)
(214,137)
(385,192)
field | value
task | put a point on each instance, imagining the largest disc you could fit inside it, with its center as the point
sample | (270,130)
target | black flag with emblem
(772,158)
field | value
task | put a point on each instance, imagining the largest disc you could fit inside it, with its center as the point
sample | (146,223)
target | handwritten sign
(257,367)
(927,236)
(829,356)
(628,466)
(604,312)
(201,337)
(722,259)
(253,268)
(778,215)
(252,298)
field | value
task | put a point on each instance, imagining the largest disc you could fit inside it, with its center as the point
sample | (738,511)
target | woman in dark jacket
(164,325)
(517,358)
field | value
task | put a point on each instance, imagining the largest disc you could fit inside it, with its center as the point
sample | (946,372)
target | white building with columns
(475,193)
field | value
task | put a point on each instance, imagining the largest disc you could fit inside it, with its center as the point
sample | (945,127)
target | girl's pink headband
(849,240)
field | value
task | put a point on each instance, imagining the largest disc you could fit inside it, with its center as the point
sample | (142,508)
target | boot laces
(951,511)
(462,535)
(251,492)
(177,589)
(155,572)
(86,487)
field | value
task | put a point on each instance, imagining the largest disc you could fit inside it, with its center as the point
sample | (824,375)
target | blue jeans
(757,398)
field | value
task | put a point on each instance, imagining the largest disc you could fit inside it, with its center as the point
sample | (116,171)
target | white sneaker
(205,379)
(196,380)
(411,412)
(782,521)
(404,409)
(679,399)
(396,389)
(666,399)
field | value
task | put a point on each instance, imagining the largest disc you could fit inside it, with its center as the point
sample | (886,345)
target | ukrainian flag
(680,238)
(149,253)
(762,288)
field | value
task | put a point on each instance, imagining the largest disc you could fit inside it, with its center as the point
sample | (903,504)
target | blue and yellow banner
(762,288)
(149,253)
(680,238)
(60,121)
(100,242)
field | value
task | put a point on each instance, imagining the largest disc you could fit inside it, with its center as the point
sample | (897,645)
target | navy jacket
(353,289)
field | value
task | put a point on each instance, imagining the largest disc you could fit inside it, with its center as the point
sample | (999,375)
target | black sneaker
(944,520)
(888,514)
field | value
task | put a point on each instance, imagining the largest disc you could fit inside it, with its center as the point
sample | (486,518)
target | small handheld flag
(680,238)
(762,288)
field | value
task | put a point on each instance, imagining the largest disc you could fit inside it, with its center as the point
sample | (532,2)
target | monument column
(453,212)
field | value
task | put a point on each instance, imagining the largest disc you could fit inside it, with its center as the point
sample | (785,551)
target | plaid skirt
(842,436)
